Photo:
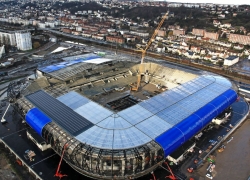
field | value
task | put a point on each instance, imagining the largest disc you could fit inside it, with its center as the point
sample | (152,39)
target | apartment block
(7,38)
(23,40)
(198,32)
(161,33)
(237,38)
(211,35)
(178,32)
(2,51)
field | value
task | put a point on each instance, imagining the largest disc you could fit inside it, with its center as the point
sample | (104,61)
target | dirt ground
(233,162)
(6,171)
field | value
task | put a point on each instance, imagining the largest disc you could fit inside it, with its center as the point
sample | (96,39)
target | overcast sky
(214,1)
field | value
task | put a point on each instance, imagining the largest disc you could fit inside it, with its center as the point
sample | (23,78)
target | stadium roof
(145,121)
(73,65)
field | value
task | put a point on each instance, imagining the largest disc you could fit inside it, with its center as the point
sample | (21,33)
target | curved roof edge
(173,138)
(37,120)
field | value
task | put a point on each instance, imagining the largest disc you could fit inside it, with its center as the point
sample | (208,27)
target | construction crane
(58,174)
(152,38)
(135,86)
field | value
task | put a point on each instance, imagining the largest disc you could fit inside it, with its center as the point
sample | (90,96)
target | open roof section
(64,116)
(69,61)
(73,65)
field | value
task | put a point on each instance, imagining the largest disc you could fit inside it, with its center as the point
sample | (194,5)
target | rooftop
(231,57)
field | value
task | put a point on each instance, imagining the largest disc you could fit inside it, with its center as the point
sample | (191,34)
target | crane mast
(135,87)
(153,37)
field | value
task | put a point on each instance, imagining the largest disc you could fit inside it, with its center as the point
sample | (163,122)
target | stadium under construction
(85,105)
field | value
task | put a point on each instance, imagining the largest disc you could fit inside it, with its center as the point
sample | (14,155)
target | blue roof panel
(171,139)
(37,120)
(61,65)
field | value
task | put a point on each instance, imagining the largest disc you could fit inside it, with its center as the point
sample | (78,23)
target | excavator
(135,86)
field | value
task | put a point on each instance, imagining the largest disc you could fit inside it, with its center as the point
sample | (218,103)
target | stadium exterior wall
(176,136)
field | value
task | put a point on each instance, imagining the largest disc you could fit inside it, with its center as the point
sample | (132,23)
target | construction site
(110,118)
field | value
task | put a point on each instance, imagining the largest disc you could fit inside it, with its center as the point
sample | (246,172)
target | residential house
(216,23)
(239,47)
(115,39)
(66,30)
(95,36)
(231,60)
(190,55)
(141,34)
(86,34)
(195,49)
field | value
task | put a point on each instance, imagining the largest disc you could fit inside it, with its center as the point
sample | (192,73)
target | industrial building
(85,106)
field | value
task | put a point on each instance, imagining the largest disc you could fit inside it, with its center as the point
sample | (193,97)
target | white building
(50,24)
(23,40)
(229,61)
(7,38)
(2,51)
(79,28)
(41,25)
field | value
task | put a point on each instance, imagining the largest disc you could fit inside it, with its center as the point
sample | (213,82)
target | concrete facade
(23,40)
(2,51)
(231,60)
(8,38)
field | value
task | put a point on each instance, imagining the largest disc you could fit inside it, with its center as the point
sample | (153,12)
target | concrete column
(100,165)
(143,161)
(123,166)
(155,156)
(134,164)
(90,163)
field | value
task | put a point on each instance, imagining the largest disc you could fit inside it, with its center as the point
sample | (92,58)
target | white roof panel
(143,122)
(98,60)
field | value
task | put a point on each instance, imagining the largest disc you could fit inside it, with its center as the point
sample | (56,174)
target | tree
(36,45)
(160,45)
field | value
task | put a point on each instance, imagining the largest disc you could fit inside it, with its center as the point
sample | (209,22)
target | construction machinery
(221,148)
(58,174)
(172,176)
(135,86)
(30,155)
(3,120)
